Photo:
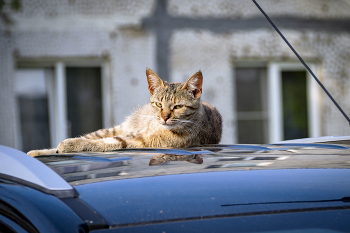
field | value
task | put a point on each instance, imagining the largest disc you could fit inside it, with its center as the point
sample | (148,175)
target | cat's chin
(169,127)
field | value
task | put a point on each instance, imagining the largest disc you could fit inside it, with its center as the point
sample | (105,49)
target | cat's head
(175,103)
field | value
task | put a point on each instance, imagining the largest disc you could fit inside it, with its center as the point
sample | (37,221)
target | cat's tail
(34,153)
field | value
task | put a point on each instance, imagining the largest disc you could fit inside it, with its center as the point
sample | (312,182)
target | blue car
(287,187)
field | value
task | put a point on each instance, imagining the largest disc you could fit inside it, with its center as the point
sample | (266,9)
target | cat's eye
(159,105)
(178,106)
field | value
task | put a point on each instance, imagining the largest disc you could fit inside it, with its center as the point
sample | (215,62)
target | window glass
(295,117)
(250,131)
(251,105)
(248,81)
(84,100)
(32,104)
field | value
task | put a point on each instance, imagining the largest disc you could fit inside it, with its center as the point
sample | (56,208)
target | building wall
(128,71)
(7,100)
(240,9)
(116,34)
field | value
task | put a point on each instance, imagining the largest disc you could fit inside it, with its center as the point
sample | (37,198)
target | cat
(175,117)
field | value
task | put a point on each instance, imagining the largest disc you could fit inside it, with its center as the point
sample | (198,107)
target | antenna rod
(302,61)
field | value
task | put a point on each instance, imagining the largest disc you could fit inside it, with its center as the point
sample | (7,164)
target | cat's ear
(194,84)
(196,160)
(153,81)
(156,159)
(153,162)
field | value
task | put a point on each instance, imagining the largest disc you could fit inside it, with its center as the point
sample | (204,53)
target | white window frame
(274,88)
(56,84)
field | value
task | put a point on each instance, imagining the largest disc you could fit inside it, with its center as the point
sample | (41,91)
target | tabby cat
(175,117)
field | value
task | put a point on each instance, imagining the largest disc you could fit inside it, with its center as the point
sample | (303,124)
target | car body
(295,186)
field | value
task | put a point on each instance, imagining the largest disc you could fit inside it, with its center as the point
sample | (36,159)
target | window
(278,75)
(60,101)
(294,102)
(275,102)
(84,100)
(32,104)
(251,105)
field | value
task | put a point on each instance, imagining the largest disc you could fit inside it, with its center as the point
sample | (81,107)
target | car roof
(89,167)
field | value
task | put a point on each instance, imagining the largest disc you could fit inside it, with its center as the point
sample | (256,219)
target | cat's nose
(165,118)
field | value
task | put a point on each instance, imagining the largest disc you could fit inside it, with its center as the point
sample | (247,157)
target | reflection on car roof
(80,168)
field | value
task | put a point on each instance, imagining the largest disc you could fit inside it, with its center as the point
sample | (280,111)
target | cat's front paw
(33,153)
(72,145)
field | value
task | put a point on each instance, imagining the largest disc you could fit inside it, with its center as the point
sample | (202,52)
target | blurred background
(74,66)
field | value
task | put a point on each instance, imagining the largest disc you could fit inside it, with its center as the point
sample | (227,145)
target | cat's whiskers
(186,121)
(173,125)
